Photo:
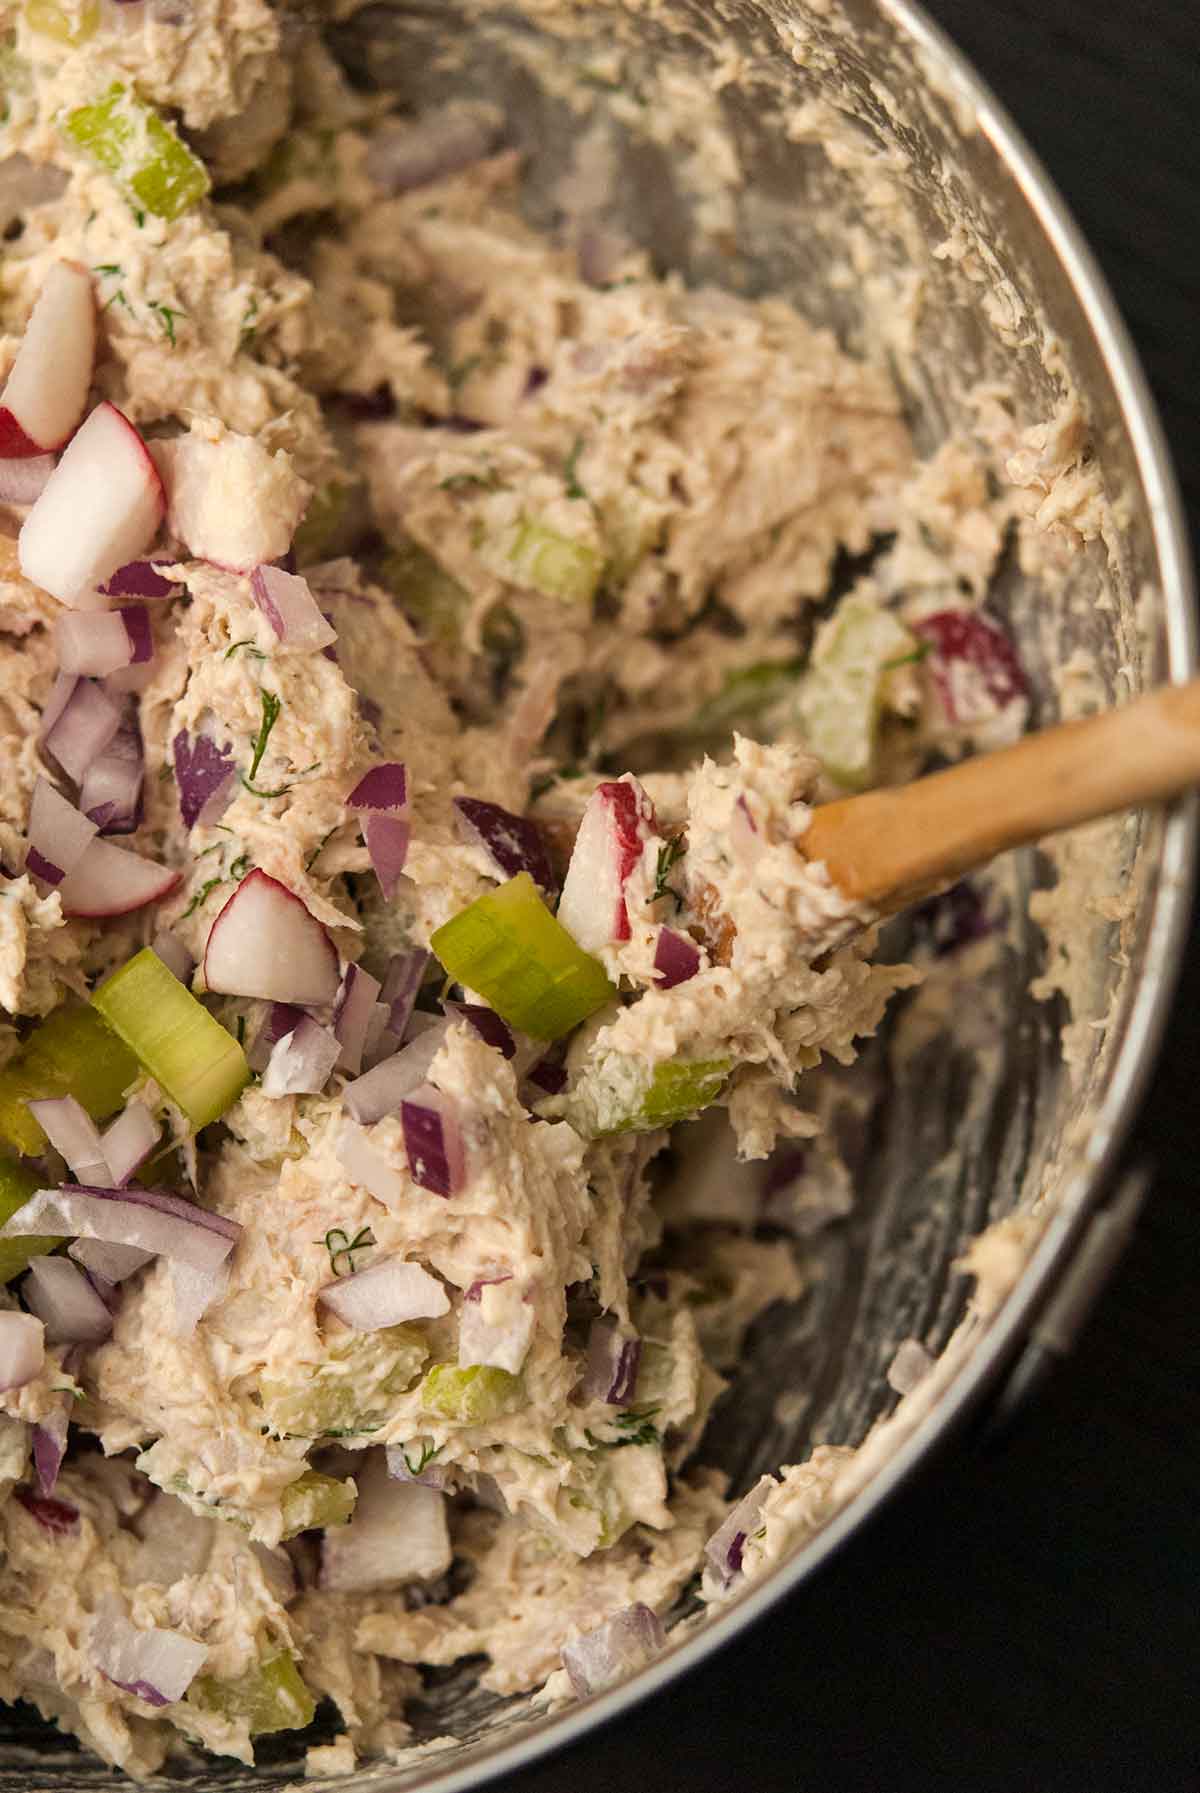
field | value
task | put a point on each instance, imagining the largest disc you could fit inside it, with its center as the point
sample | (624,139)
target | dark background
(1025,1617)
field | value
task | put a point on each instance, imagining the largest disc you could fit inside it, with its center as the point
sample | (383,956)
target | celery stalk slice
(616,1096)
(52,20)
(16,1186)
(841,695)
(510,948)
(472,1396)
(200,1066)
(129,139)
(272,1697)
(556,565)
(72,1053)
(314,1501)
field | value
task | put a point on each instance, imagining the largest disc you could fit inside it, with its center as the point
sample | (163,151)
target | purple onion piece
(380,1091)
(140,633)
(613,1358)
(676,958)
(86,724)
(281,1018)
(139,579)
(433,1141)
(59,1293)
(401,985)
(724,1548)
(49,1449)
(352,1015)
(624,1643)
(58,1517)
(204,774)
(302,1062)
(953,919)
(487,1024)
(111,792)
(384,787)
(514,843)
(387,839)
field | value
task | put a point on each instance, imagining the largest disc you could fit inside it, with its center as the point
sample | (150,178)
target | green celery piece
(617,1097)
(426,592)
(314,1501)
(185,1049)
(16,1186)
(322,532)
(509,947)
(744,695)
(272,1697)
(71,1053)
(472,1396)
(51,20)
(556,565)
(139,149)
(841,695)
(350,1393)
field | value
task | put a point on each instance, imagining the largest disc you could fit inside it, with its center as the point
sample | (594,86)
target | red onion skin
(384,787)
(202,771)
(965,635)
(432,1143)
(676,959)
(138,578)
(55,1516)
(515,843)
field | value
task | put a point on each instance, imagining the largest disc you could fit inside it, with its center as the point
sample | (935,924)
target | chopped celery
(16,1186)
(314,1501)
(139,149)
(185,1049)
(556,565)
(472,1396)
(70,25)
(71,1053)
(617,1097)
(509,948)
(841,695)
(744,695)
(323,532)
(349,1394)
(272,1697)
(437,603)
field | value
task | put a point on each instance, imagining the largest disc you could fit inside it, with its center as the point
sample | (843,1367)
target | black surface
(1024,1618)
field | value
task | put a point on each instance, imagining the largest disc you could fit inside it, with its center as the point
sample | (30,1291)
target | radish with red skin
(111,880)
(23,482)
(46,393)
(966,636)
(616,825)
(290,608)
(101,507)
(265,943)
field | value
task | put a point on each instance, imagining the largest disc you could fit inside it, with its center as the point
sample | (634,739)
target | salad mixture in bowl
(423,638)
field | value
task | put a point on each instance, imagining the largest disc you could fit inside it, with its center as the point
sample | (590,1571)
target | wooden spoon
(891,847)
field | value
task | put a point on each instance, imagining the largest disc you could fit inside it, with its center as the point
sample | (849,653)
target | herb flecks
(636,1427)
(669,854)
(246,332)
(204,891)
(271,707)
(255,653)
(341,1247)
(571,471)
(319,848)
(166,315)
(240,867)
(428,1453)
(483,479)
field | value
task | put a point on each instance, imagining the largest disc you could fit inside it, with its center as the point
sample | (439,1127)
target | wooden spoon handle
(889,847)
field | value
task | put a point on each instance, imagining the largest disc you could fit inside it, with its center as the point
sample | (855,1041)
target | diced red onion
(487,1024)
(387,842)
(370,1168)
(61,1296)
(113,1263)
(613,1357)
(205,775)
(153,1219)
(290,608)
(194,1291)
(111,792)
(624,1643)
(302,1062)
(22,482)
(280,1018)
(724,1548)
(432,1476)
(911,1364)
(141,635)
(550,1072)
(72,1132)
(386,1293)
(58,834)
(139,579)
(128,1143)
(966,637)
(96,642)
(379,1042)
(401,986)
(676,958)
(60,695)
(513,843)
(49,1449)
(58,1517)
(433,1141)
(352,1014)
(174,955)
(156,1666)
(397,1534)
(22,1348)
(495,1329)
(87,724)
(403,154)
(111,880)
(384,789)
(381,1091)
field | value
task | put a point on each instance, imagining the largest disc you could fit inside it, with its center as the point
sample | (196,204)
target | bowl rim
(1166,935)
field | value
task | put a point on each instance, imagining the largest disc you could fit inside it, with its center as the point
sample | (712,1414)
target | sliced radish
(616,825)
(47,390)
(386,1293)
(302,1062)
(111,880)
(230,500)
(265,943)
(101,507)
(92,642)
(59,835)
